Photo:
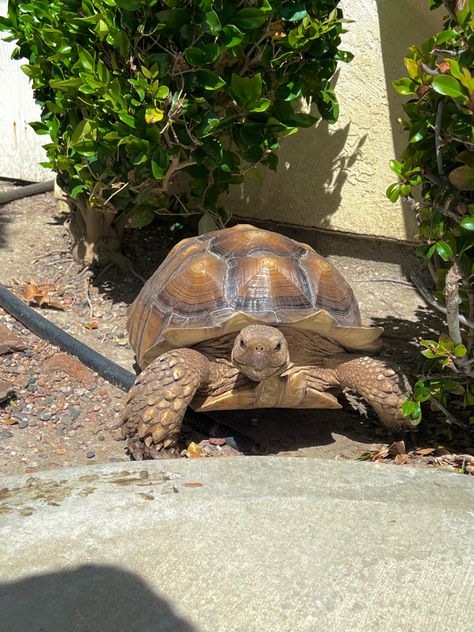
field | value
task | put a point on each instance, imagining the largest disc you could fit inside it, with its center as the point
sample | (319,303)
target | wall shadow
(410,23)
(91,598)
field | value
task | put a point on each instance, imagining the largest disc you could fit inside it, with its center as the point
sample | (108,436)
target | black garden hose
(26,190)
(104,367)
(44,329)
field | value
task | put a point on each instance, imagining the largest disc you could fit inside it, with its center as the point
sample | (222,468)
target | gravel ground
(56,412)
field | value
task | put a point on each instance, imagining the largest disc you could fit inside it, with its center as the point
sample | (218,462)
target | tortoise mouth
(260,374)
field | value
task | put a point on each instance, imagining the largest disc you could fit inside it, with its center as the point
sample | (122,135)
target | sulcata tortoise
(245,318)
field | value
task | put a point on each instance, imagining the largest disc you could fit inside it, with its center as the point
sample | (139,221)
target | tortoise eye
(278,347)
(242,343)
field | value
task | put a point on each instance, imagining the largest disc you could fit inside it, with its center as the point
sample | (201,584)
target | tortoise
(245,318)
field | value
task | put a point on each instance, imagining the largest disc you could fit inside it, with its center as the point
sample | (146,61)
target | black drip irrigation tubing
(110,371)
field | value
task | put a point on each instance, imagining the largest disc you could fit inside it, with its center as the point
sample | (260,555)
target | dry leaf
(424,451)
(380,454)
(93,325)
(39,294)
(401,459)
(9,421)
(193,484)
(194,451)
(397,447)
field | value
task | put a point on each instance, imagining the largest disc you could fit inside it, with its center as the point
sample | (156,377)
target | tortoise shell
(218,283)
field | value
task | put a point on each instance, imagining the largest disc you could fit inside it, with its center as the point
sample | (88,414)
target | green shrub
(438,163)
(135,91)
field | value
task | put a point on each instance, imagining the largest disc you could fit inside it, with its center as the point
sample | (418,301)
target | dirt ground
(60,413)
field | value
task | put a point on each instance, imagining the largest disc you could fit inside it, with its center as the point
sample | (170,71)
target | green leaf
(418,132)
(467,223)
(231,36)
(158,172)
(444,250)
(214,23)
(444,36)
(300,120)
(122,42)
(209,80)
(142,217)
(462,178)
(261,106)
(393,192)
(202,56)
(85,130)
(128,119)
(408,408)
(447,85)
(249,18)
(396,167)
(460,351)
(86,59)
(153,115)
(255,175)
(246,91)
(404,86)
(175,18)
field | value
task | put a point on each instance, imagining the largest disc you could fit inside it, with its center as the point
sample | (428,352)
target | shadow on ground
(90,598)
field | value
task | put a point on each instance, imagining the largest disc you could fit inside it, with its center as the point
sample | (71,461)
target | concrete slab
(243,544)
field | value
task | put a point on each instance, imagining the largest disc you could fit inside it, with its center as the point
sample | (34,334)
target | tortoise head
(260,352)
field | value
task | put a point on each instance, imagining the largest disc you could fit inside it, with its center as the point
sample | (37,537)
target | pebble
(216,441)
(75,413)
(32,423)
(44,416)
(23,424)
(60,432)
(90,454)
(5,434)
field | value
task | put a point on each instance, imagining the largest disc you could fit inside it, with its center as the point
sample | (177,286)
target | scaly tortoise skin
(245,318)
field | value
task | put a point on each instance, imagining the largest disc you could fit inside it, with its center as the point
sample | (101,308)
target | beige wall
(335,176)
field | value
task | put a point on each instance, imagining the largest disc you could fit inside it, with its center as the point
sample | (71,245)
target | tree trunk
(96,234)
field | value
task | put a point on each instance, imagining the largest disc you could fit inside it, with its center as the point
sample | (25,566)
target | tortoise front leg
(384,387)
(156,404)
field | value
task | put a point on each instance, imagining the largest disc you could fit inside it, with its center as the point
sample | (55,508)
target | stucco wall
(21,150)
(335,177)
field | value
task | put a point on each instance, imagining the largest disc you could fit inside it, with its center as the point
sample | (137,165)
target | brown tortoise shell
(260,276)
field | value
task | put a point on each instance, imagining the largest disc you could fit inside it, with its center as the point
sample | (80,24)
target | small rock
(60,432)
(32,423)
(90,454)
(23,424)
(5,434)
(216,441)
(101,438)
(75,413)
(44,416)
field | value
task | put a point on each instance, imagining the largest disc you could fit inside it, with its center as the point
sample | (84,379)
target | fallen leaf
(424,451)
(9,421)
(93,325)
(194,451)
(60,451)
(380,454)
(397,447)
(401,459)
(40,294)
(193,484)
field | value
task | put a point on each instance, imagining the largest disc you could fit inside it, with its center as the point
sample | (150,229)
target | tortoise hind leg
(384,387)
(156,404)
